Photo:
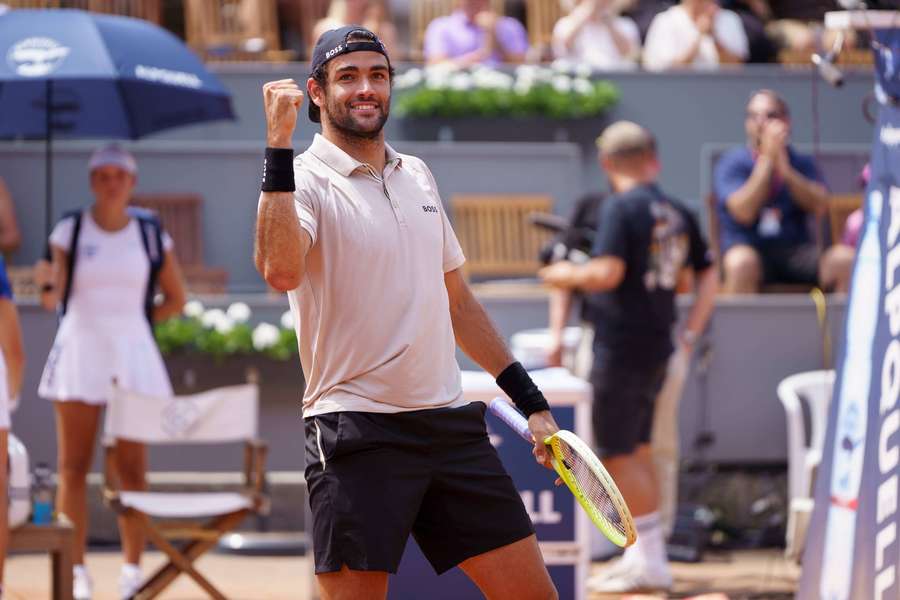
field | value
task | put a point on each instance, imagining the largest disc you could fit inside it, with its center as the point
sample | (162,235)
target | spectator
(642,12)
(10,238)
(755,15)
(594,33)
(106,299)
(474,34)
(695,33)
(765,191)
(644,240)
(371,14)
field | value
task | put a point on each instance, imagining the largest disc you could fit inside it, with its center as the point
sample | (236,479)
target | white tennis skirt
(87,355)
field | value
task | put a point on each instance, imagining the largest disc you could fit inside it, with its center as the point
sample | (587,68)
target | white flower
(461,82)
(522,87)
(211,317)
(583,86)
(526,71)
(562,84)
(562,65)
(224,325)
(265,336)
(408,79)
(193,309)
(239,312)
(583,70)
(287,320)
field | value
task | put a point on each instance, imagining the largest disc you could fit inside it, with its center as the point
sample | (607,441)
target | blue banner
(852,547)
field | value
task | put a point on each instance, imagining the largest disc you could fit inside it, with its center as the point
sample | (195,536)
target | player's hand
(542,425)
(43,273)
(559,274)
(487,20)
(282,99)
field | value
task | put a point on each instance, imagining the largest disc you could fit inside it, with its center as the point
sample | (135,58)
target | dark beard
(339,117)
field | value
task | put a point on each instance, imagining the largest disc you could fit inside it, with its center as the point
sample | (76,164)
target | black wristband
(278,170)
(47,288)
(517,384)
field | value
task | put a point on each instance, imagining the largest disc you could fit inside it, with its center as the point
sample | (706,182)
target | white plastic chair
(226,414)
(814,388)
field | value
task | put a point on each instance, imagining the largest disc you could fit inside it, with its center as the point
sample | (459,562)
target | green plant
(558,92)
(225,333)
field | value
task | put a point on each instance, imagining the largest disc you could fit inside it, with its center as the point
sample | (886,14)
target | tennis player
(357,236)
(644,240)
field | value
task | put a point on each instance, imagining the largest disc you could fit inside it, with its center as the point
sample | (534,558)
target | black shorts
(624,397)
(789,263)
(375,478)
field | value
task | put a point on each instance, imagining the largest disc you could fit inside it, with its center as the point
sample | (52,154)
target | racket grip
(507,413)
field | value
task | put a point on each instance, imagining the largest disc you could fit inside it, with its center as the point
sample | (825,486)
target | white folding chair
(222,415)
(814,388)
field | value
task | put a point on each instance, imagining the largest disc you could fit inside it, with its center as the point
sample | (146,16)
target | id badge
(769,223)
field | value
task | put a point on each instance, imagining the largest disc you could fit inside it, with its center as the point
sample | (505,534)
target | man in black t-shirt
(643,241)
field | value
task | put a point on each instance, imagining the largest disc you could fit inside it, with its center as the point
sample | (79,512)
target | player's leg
(347,584)
(491,572)
(473,516)
(365,488)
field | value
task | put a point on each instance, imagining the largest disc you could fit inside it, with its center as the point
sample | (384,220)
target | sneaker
(130,581)
(82,586)
(631,579)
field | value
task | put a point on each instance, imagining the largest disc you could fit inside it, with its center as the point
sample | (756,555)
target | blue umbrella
(70,73)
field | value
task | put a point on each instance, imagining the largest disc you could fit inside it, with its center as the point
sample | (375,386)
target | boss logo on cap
(334,51)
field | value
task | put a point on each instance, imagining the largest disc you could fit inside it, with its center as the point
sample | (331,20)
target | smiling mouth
(364,107)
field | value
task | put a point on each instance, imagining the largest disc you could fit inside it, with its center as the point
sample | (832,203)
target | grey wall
(694,115)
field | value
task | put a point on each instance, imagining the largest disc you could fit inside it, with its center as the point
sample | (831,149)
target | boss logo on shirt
(429,208)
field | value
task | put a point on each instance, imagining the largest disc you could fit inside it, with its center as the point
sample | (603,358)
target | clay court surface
(761,574)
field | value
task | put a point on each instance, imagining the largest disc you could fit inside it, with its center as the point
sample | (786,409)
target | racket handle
(507,413)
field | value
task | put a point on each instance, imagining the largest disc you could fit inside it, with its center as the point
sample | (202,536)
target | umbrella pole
(48,148)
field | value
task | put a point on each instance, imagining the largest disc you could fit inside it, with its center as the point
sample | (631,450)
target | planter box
(192,372)
(507,129)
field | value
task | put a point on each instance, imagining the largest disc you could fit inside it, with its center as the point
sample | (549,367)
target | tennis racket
(583,473)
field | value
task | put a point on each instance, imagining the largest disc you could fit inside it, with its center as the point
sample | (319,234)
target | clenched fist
(282,100)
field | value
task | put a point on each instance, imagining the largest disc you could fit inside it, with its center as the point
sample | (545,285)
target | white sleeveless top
(104,333)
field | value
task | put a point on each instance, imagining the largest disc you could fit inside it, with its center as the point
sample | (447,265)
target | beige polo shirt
(372,313)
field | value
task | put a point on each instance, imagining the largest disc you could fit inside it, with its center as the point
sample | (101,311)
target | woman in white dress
(12,367)
(104,291)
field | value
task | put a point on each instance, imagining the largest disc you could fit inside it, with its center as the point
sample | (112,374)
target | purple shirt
(453,36)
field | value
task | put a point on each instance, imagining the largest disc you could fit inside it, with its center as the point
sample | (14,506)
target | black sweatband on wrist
(517,384)
(278,170)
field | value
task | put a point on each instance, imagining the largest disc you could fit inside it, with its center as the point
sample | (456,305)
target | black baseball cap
(350,38)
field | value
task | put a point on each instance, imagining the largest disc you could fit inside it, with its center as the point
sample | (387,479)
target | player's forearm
(704,301)
(745,203)
(281,244)
(560,306)
(477,336)
(11,347)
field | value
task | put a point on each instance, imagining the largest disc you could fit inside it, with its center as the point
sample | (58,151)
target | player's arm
(704,304)
(50,277)
(281,243)
(600,274)
(171,283)
(11,346)
(481,341)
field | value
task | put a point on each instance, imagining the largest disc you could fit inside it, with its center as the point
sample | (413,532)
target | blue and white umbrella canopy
(103,76)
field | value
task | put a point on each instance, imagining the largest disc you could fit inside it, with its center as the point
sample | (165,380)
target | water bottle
(853,409)
(42,495)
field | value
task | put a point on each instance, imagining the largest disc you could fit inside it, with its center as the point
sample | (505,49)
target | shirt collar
(343,163)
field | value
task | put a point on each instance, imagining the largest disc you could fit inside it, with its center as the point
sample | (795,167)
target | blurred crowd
(606,34)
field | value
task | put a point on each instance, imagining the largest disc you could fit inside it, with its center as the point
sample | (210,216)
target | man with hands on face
(765,192)
(643,242)
(474,34)
(357,236)
(694,33)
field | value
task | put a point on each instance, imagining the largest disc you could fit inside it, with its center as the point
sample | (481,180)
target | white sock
(81,569)
(650,547)
(130,569)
